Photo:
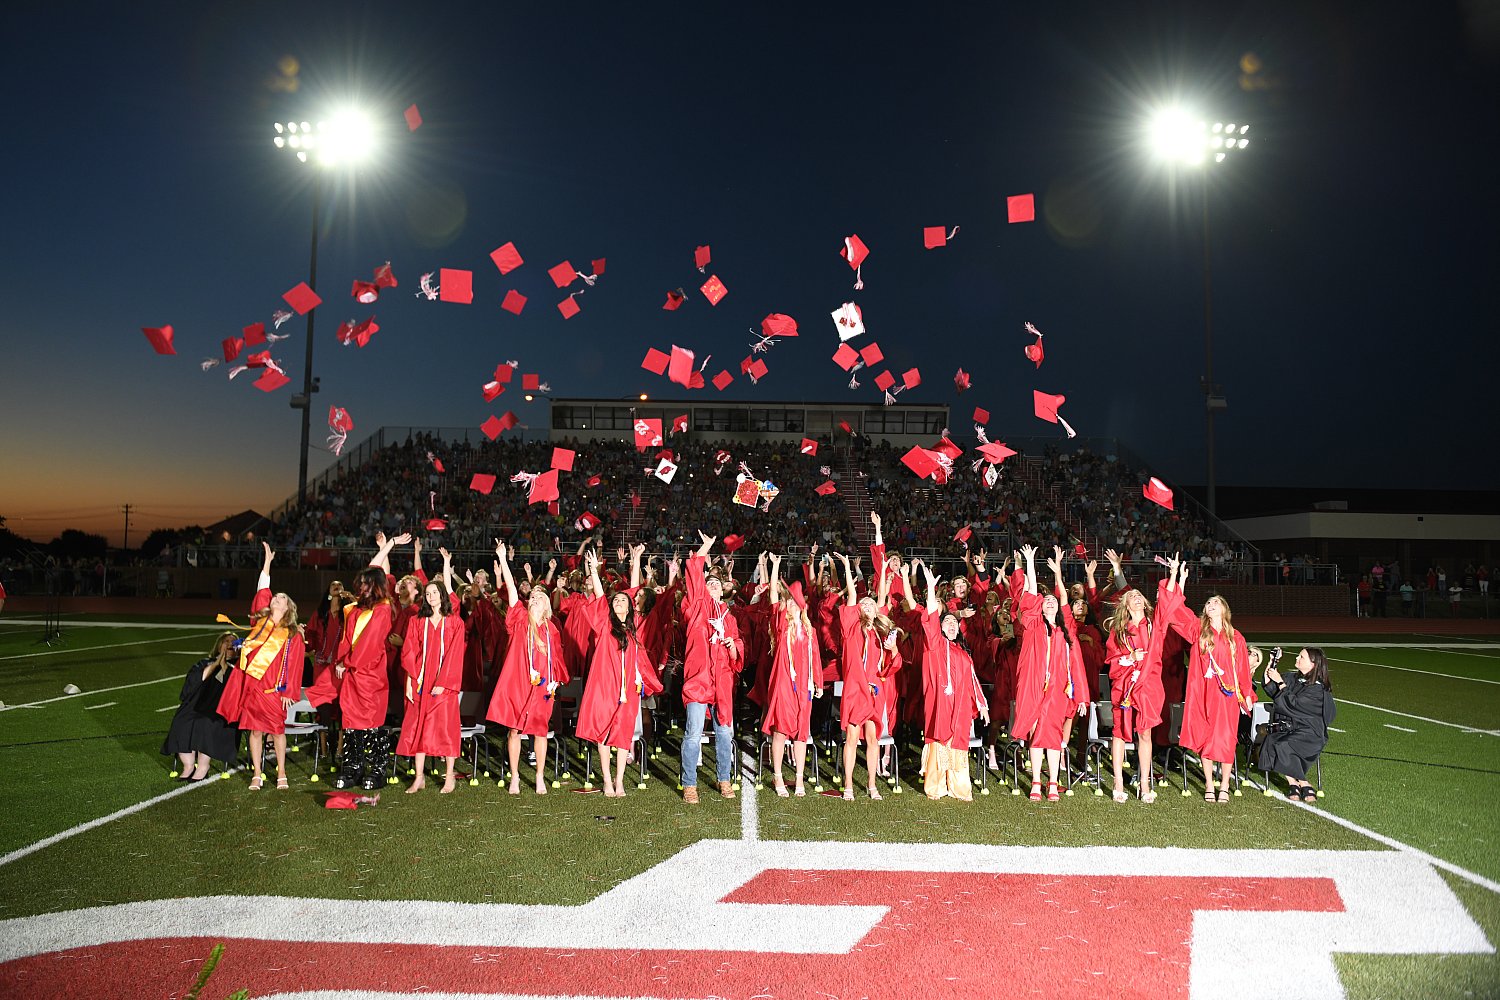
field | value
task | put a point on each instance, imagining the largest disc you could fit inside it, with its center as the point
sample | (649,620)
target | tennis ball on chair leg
(315,778)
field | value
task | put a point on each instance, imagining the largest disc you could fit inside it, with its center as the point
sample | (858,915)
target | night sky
(1354,245)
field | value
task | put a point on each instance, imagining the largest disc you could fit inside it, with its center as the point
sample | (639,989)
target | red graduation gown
(1219,689)
(611,705)
(533,661)
(709,668)
(796,672)
(860,668)
(363,690)
(255,704)
(1049,679)
(432,656)
(950,689)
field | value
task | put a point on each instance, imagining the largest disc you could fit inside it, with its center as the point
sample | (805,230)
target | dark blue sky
(1353,244)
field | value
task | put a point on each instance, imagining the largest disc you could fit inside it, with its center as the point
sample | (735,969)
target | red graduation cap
(947,447)
(701,257)
(809,446)
(232,348)
(911,378)
(514,302)
(270,380)
(667,454)
(722,380)
(995,452)
(543,488)
(647,433)
(562,459)
(920,461)
(757,371)
(597,267)
(1034,352)
(680,424)
(884,381)
(348,800)
(364,330)
(961,380)
(259,359)
(568,307)
(434,524)
(437,463)
(778,325)
(365,291)
(934,236)
(1046,404)
(507,258)
(1081,550)
(680,367)
(593,481)
(504,371)
(665,470)
(747,493)
(1157,492)
(339,420)
(826,489)
(562,275)
(1020,208)
(674,300)
(854,251)
(482,482)
(587,521)
(845,357)
(871,355)
(554,508)
(302,299)
(713,289)
(531,383)
(254,334)
(733,543)
(981,415)
(844,426)
(655,361)
(455,285)
(413,118)
(964,534)
(495,426)
(384,277)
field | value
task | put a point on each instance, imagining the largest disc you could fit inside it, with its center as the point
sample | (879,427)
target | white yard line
(172,625)
(170,708)
(1413,670)
(107,704)
(1399,728)
(82,694)
(93,649)
(1419,718)
(186,787)
(1458,652)
(749,810)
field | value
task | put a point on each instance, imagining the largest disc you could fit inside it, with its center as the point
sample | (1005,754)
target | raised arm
(932,595)
(849,597)
(1059,588)
(447,569)
(382,559)
(1028,553)
(265,568)
(906,597)
(416,561)
(591,563)
(551,572)
(636,552)
(775,578)
(502,570)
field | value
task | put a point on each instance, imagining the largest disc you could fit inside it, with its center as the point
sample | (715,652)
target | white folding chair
(294,727)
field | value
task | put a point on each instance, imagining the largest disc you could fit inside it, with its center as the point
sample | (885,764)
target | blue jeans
(692,749)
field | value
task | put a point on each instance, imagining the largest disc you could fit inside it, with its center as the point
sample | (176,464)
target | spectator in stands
(1302,710)
(1408,597)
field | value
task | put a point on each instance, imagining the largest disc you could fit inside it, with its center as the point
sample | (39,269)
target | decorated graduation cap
(713,289)
(647,433)
(665,470)
(808,446)
(849,320)
(854,251)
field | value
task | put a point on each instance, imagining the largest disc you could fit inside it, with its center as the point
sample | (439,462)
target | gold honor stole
(262,647)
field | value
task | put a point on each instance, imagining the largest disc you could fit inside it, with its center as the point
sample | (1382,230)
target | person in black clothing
(1377,595)
(199,735)
(1301,712)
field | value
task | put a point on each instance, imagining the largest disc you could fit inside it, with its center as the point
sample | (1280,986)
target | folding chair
(471,726)
(1097,740)
(763,760)
(1174,744)
(976,751)
(296,728)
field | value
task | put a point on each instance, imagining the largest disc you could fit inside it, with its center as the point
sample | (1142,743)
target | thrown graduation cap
(884,381)
(937,236)
(680,424)
(339,420)
(532,383)
(232,347)
(981,415)
(675,299)
(507,258)
(871,355)
(701,257)
(514,302)
(778,325)
(854,251)
(961,380)
(271,379)
(809,446)
(597,266)
(562,275)
(434,524)
(733,543)
(254,334)
(1020,208)
(846,357)
(413,118)
(722,380)
(849,320)
(713,289)
(680,366)
(826,489)
(647,433)
(911,378)
(562,459)
(655,361)
(921,461)
(491,391)
(543,487)
(587,521)
(1034,352)
(482,482)
(455,285)
(995,452)
(302,299)
(1046,406)
(365,292)
(495,426)
(963,535)
(1158,493)
(757,371)
(568,307)
(665,470)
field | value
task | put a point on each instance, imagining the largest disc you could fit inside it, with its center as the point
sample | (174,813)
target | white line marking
(749,811)
(1419,718)
(171,708)
(1330,728)
(107,704)
(1413,670)
(1434,635)
(65,697)
(1456,652)
(1400,728)
(186,787)
(172,625)
(90,649)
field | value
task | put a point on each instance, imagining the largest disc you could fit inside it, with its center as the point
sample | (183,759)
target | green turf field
(1418,760)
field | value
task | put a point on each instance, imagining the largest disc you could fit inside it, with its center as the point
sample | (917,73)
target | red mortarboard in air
(597,267)
(849,320)
(437,463)
(495,426)
(826,489)
(701,257)
(562,275)
(413,118)
(778,325)
(845,357)
(232,348)
(562,459)
(936,236)
(254,334)
(302,299)
(507,258)
(964,534)
(911,378)
(1034,352)
(668,454)
(947,447)
(733,543)
(270,380)
(757,371)
(1020,208)
(647,433)
(655,361)
(680,424)
(384,276)
(364,330)
(259,359)
(635,498)
(854,251)
(995,452)
(514,302)
(884,381)
(434,524)
(920,461)
(981,415)
(961,380)
(844,426)
(680,367)
(1046,405)
(593,481)
(554,508)
(674,300)
(1157,492)
(482,482)
(504,371)
(871,355)
(809,446)
(491,390)
(586,521)
(722,380)
(365,291)
(713,289)
(531,383)
(339,420)
(568,307)
(455,285)
(543,488)
(1081,550)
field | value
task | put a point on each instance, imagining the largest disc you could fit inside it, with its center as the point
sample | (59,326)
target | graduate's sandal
(1223,798)
(1120,796)
(1036,791)
(1052,795)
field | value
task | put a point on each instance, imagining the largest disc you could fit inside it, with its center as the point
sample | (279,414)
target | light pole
(344,139)
(1183,140)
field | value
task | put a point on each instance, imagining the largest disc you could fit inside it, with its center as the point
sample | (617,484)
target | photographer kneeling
(1302,709)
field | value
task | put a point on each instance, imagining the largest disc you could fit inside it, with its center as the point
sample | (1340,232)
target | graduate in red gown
(1133,651)
(863,656)
(533,669)
(1049,684)
(269,679)
(794,680)
(951,699)
(619,673)
(432,664)
(358,679)
(714,656)
(1219,686)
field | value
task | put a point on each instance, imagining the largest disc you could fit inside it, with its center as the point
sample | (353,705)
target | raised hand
(499,550)
(1028,552)
(875,520)
(707,539)
(380,539)
(447,556)
(1090,566)
(402,539)
(1054,563)
(1114,559)
(637,550)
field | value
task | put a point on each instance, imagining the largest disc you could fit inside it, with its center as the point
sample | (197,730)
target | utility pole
(127,509)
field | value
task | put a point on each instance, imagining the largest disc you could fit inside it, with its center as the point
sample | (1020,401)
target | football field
(118,881)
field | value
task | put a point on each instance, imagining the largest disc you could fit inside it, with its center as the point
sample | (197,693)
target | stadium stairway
(855,493)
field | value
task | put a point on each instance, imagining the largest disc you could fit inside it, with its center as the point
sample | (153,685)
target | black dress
(1308,709)
(197,727)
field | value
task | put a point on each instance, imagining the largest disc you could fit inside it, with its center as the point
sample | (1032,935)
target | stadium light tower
(1182,139)
(346,139)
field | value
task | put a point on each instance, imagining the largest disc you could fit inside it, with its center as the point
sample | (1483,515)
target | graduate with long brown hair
(432,663)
